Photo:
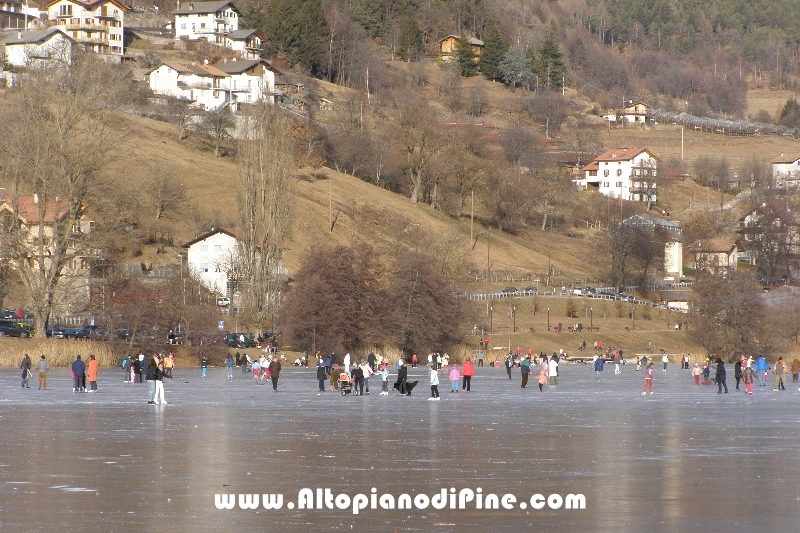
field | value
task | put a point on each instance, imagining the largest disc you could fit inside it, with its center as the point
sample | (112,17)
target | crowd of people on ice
(354,376)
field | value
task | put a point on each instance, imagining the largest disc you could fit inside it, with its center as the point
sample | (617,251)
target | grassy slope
(392,223)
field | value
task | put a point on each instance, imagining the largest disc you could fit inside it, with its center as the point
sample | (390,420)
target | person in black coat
(358,381)
(737,373)
(321,375)
(402,385)
(721,376)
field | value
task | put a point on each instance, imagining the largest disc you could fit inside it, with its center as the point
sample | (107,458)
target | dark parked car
(241,340)
(509,290)
(9,328)
(530,289)
(54,333)
(86,332)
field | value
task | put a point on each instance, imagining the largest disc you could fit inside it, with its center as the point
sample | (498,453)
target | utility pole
(472,216)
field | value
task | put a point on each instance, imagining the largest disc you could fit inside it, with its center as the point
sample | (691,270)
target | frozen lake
(685,459)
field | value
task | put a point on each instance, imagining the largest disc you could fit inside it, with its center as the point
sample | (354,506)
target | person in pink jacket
(454,377)
(466,374)
(542,377)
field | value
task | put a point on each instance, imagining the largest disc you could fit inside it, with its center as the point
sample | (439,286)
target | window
(605,184)
(203,267)
(183,25)
(605,173)
(619,184)
(65,10)
(203,248)
(217,248)
(593,173)
(619,172)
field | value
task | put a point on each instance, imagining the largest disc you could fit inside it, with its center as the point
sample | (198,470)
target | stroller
(345,384)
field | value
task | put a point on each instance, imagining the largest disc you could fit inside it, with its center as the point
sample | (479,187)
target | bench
(593,328)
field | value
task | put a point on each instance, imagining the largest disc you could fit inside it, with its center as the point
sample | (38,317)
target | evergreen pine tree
(465,57)
(495,47)
(369,15)
(297,30)
(411,43)
(548,63)
(313,25)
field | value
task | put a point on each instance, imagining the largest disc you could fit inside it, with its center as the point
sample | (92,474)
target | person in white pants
(159,396)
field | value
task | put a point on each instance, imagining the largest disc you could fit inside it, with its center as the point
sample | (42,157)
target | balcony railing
(84,26)
(201,86)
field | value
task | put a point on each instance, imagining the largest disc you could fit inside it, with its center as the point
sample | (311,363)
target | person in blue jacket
(78,371)
(598,367)
(761,369)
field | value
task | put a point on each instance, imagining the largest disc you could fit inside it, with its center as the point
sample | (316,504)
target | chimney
(205,61)
(178,4)
(35,198)
(191,7)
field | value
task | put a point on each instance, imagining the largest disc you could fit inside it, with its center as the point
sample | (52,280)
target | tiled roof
(231,232)
(786,159)
(28,209)
(92,3)
(617,154)
(202,8)
(237,67)
(240,35)
(714,245)
(34,37)
(471,40)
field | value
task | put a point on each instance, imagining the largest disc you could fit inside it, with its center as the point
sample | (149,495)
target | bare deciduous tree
(217,125)
(264,196)
(416,139)
(166,192)
(59,130)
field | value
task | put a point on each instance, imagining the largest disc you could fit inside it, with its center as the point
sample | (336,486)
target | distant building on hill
(37,47)
(786,171)
(716,256)
(626,173)
(229,84)
(449,45)
(671,233)
(217,23)
(98,25)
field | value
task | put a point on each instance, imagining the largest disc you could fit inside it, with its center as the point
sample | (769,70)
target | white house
(13,15)
(201,84)
(670,232)
(27,48)
(212,86)
(786,171)
(249,43)
(98,25)
(210,21)
(250,80)
(717,255)
(210,257)
(627,173)
(635,112)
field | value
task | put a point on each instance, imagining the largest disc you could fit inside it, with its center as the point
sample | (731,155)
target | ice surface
(684,459)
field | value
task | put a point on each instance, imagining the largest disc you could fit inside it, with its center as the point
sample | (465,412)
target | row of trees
(345,297)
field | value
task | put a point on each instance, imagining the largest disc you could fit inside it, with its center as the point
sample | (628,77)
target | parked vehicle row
(9,328)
